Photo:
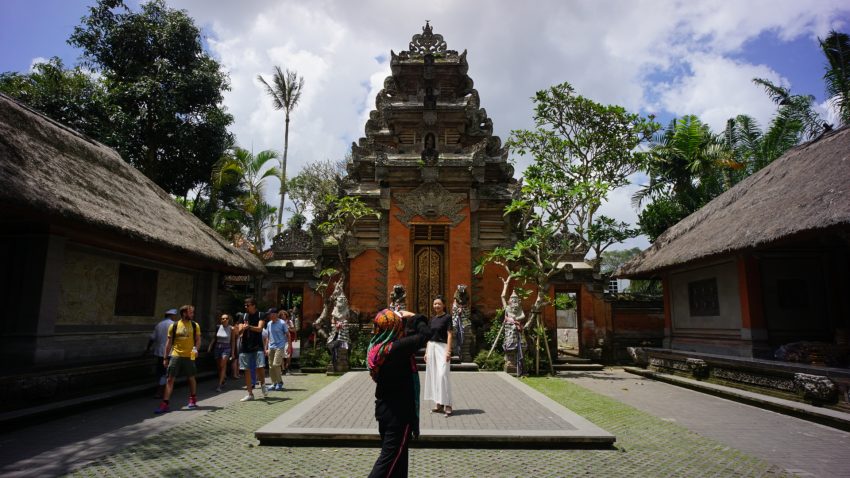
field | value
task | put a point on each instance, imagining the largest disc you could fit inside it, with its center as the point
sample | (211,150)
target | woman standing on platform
(438,359)
(396,336)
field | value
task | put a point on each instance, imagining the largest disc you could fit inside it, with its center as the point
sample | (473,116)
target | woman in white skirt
(438,359)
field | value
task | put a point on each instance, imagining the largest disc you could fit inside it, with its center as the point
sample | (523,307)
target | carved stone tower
(430,163)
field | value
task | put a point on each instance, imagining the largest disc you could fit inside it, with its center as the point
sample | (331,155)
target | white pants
(437,383)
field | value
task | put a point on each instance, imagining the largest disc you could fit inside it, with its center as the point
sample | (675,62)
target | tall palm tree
(285,91)
(836,47)
(794,110)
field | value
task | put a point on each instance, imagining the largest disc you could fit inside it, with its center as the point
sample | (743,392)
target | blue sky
(668,57)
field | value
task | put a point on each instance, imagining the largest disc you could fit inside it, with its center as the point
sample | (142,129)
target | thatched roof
(805,190)
(49,169)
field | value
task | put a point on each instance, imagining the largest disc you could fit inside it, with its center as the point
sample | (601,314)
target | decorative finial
(426,42)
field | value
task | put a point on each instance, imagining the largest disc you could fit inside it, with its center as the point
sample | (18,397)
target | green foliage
(164,91)
(565,301)
(836,48)
(612,260)
(315,188)
(315,356)
(358,347)
(493,331)
(645,287)
(495,363)
(70,96)
(250,210)
(581,150)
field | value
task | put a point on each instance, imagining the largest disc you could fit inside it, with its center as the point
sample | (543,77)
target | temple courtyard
(660,430)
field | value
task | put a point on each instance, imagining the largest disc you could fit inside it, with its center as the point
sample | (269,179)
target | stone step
(577,367)
(456,366)
(572,360)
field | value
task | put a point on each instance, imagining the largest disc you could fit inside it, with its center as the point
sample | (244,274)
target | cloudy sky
(668,58)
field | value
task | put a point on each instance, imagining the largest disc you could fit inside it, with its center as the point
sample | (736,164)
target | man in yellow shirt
(181,349)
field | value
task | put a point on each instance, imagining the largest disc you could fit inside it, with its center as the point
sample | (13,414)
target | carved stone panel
(430,200)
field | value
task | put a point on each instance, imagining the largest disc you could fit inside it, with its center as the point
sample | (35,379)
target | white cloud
(612,52)
(36,61)
(719,88)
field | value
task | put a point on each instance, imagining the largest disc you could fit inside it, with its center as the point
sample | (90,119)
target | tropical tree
(168,119)
(836,48)
(70,96)
(684,171)
(313,190)
(796,113)
(285,92)
(581,151)
(250,172)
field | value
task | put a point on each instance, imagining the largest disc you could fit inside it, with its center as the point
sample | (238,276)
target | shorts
(222,351)
(252,360)
(184,366)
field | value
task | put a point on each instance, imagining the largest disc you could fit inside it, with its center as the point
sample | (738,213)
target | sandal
(438,409)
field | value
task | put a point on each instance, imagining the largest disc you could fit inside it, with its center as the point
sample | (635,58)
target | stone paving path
(124,439)
(799,446)
(485,414)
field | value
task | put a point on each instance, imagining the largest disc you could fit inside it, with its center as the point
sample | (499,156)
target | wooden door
(429,264)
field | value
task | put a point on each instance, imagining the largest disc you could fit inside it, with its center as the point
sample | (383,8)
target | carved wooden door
(428,273)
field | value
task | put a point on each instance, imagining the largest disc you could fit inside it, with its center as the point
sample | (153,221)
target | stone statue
(338,338)
(513,323)
(460,319)
(429,149)
(398,298)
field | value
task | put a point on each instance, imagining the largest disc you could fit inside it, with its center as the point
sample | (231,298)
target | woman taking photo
(396,336)
(438,359)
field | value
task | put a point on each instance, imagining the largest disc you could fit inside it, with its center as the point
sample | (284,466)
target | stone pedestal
(341,365)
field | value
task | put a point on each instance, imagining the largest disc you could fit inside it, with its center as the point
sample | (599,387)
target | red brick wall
(364,275)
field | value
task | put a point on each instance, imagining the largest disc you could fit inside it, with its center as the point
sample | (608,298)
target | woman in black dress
(390,358)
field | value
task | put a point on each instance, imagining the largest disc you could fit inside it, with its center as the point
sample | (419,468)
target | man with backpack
(181,349)
(251,349)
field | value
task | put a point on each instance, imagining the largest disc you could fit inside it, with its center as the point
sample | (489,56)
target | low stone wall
(25,390)
(806,383)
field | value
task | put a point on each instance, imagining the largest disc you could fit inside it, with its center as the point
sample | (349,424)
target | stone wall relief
(430,201)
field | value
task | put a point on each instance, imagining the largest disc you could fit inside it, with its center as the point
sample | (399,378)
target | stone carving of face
(341,307)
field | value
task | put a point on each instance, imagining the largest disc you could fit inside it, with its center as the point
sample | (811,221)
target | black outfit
(440,328)
(252,341)
(396,401)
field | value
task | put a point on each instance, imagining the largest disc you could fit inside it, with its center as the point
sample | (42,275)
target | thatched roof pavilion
(805,191)
(51,172)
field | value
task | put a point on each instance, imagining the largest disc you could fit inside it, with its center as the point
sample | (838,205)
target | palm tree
(836,47)
(285,92)
(795,111)
(250,172)
(687,167)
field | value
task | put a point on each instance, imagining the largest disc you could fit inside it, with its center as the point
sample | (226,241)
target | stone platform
(491,410)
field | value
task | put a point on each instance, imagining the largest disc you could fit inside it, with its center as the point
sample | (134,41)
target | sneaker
(247,398)
(265,391)
(193,403)
(276,387)
(218,389)
(163,408)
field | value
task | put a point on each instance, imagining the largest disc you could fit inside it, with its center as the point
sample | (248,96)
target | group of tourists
(253,342)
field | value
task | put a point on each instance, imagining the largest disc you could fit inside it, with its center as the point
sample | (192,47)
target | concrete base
(491,410)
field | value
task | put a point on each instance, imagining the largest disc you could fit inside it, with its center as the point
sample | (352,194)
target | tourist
(251,353)
(222,347)
(157,340)
(278,338)
(396,336)
(234,364)
(181,349)
(293,336)
(438,359)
